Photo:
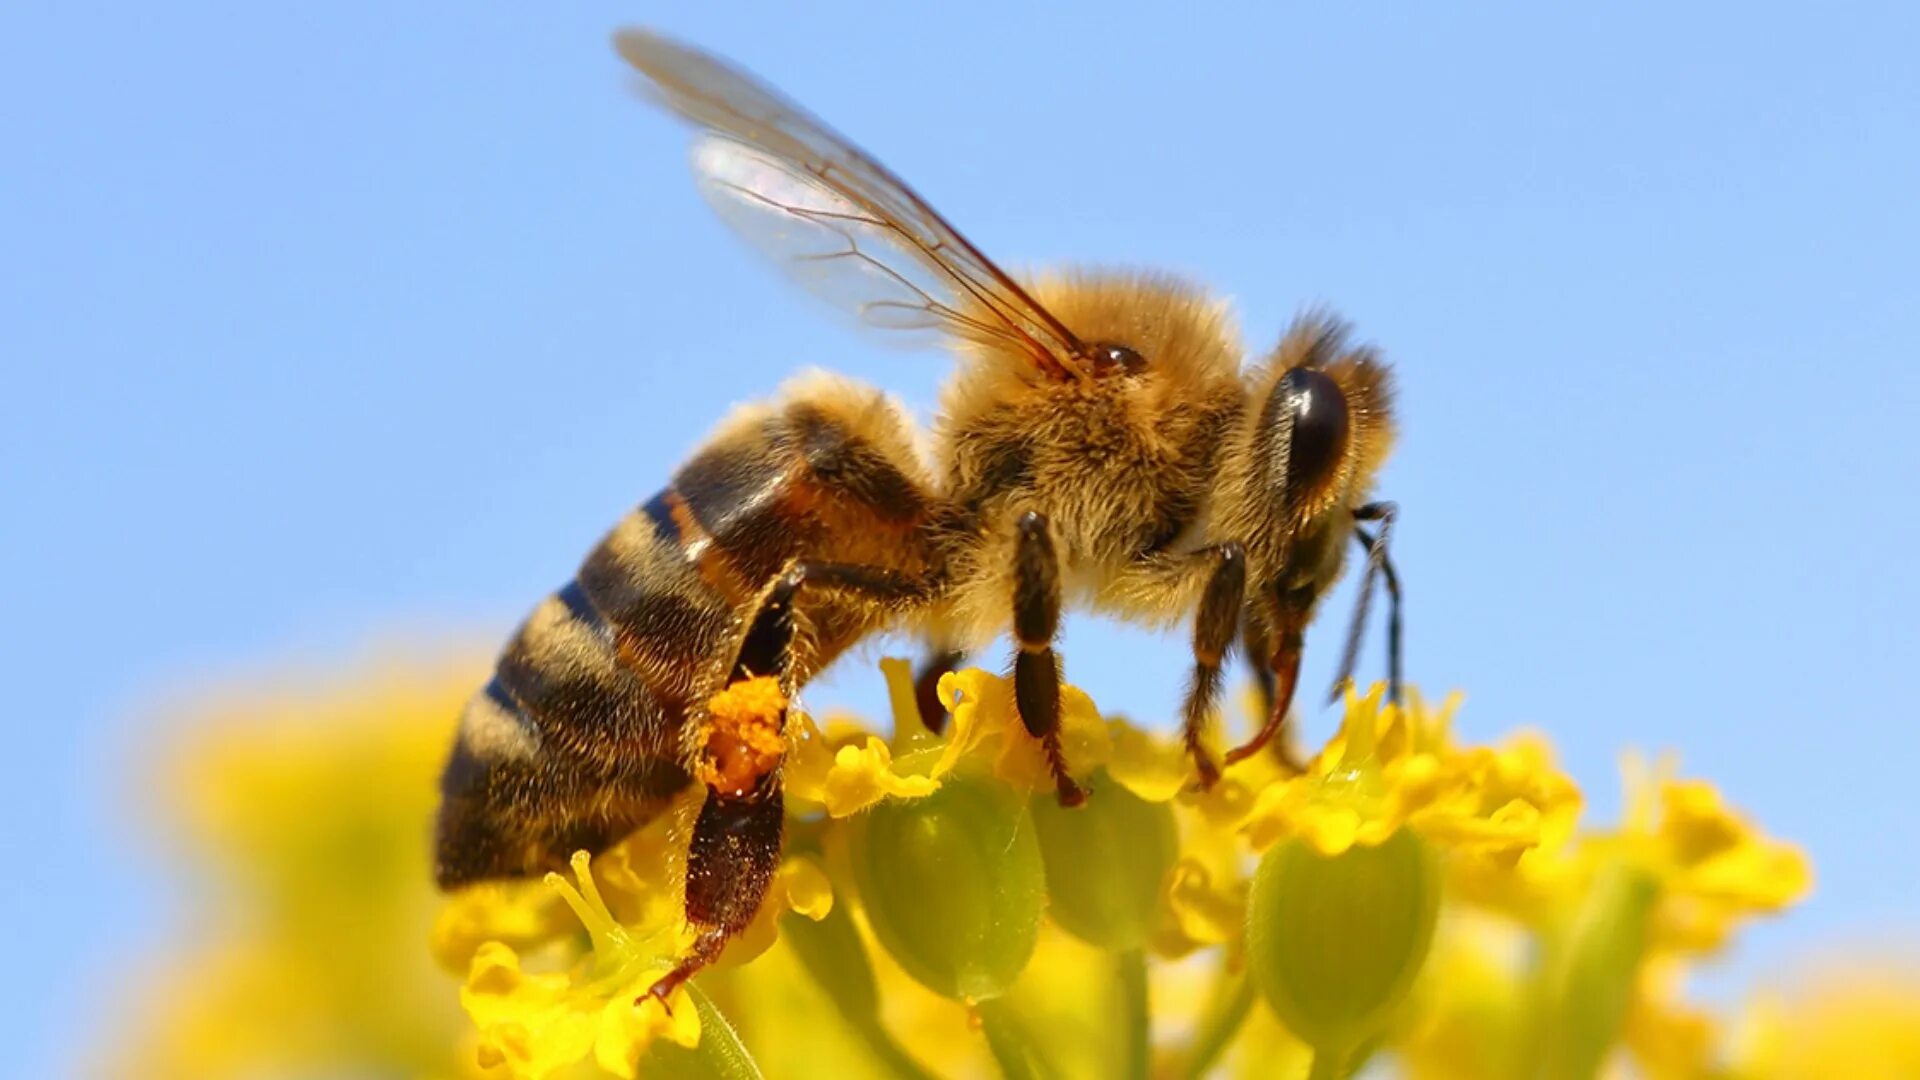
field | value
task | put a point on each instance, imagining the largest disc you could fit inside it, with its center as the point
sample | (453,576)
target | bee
(1099,445)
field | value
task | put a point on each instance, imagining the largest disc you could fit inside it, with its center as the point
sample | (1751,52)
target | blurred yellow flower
(1473,1015)
(1715,867)
(299,815)
(1856,1014)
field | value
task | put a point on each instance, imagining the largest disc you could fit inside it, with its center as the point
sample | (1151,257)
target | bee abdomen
(583,731)
(577,738)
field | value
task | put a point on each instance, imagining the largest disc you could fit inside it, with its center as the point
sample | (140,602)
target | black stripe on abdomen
(580,606)
(499,696)
(659,510)
(733,491)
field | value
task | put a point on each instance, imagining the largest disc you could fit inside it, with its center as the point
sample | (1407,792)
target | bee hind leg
(1036,669)
(730,862)
(736,841)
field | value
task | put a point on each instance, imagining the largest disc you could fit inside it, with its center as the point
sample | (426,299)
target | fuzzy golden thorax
(1120,463)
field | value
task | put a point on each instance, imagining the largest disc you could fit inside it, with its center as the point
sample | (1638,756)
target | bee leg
(1284,661)
(1253,644)
(1213,628)
(1378,566)
(736,840)
(926,685)
(767,647)
(1036,670)
(1253,637)
(732,858)
(1395,679)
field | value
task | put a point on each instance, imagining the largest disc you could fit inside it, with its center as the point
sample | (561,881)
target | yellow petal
(628,1028)
(805,888)
(530,1023)
(863,775)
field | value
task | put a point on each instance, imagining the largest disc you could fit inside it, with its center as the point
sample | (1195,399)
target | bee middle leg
(1036,669)
(737,838)
(1221,602)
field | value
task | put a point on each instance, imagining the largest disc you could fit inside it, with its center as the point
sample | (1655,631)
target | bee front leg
(1283,640)
(1036,670)
(1381,566)
(1213,628)
(1253,645)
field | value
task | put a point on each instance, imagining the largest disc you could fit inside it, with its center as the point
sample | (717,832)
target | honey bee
(1099,445)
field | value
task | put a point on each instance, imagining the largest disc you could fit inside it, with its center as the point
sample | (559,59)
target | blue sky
(323,330)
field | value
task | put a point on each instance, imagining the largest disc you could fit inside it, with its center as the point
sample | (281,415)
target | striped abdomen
(583,731)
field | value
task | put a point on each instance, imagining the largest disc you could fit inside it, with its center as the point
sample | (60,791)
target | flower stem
(1136,1019)
(1012,1050)
(1232,1000)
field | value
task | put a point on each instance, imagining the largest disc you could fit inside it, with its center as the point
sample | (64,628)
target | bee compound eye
(1109,359)
(1312,410)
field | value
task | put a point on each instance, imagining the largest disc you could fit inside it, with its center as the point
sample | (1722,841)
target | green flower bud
(1593,967)
(1335,943)
(1106,863)
(952,884)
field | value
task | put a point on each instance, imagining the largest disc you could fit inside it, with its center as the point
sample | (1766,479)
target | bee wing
(845,227)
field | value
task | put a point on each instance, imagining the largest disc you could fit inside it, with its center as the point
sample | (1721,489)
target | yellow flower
(1396,766)
(1717,870)
(537,1023)
(1133,936)
(849,775)
(1617,913)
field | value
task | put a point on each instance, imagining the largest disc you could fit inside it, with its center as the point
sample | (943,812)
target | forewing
(848,229)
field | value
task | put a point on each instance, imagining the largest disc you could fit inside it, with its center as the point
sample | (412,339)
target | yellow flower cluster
(1404,903)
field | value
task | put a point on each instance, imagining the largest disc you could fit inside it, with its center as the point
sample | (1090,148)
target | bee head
(1325,420)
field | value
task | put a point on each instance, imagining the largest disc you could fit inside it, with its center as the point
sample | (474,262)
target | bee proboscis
(1099,445)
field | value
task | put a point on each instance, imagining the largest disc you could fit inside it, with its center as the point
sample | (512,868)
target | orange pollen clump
(744,740)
